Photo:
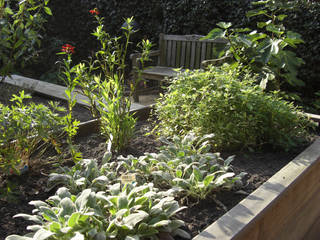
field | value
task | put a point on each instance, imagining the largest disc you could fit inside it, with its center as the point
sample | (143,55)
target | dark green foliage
(305,19)
(227,103)
(71,23)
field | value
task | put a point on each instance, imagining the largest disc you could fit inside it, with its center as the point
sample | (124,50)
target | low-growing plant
(22,129)
(185,166)
(86,173)
(20,25)
(121,212)
(227,102)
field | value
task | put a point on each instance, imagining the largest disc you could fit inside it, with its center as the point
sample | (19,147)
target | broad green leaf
(133,219)
(261,2)
(224,25)
(48,214)
(8,10)
(207,180)
(42,234)
(261,24)
(63,192)
(77,236)
(162,223)
(281,17)
(181,233)
(135,237)
(55,227)
(141,200)
(83,199)
(34,228)
(221,179)
(38,203)
(174,224)
(36,219)
(68,207)
(106,157)
(16,237)
(122,202)
(73,220)
(252,13)
(214,34)
(48,11)
(179,173)
(197,174)
(275,29)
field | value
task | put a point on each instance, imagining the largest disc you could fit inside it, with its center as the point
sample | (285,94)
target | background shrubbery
(72,23)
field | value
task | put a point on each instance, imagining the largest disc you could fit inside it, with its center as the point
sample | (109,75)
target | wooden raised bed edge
(285,207)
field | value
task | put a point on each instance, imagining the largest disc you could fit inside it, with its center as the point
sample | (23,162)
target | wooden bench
(177,51)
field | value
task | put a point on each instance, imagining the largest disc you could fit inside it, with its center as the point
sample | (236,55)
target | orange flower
(68,48)
(94,11)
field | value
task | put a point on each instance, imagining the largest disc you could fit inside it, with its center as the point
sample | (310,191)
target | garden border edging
(284,207)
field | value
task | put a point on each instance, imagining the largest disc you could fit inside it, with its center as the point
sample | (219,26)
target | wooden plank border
(285,207)
(50,89)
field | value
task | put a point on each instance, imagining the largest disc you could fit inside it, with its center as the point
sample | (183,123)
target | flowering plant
(71,125)
(94,11)
(102,80)
(67,48)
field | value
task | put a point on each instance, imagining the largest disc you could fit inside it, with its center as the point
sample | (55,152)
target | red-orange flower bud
(94,11)
(68,48)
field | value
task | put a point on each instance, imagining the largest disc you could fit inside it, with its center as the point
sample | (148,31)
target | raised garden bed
(259,166)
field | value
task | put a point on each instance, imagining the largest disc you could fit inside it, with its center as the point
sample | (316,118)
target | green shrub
(22,128)
(226,102)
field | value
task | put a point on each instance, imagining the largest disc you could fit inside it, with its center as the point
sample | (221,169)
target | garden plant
(227,102)
(101,79)
(265,52)
(21,23)
(221,108)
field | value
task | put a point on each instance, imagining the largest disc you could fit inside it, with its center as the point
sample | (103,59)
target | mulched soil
(259,166)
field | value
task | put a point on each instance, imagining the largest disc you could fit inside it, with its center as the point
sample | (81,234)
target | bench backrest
(186,51)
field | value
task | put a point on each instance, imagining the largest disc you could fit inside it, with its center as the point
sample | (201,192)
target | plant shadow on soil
(259,167)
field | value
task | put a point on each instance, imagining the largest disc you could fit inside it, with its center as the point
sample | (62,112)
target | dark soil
(259,166)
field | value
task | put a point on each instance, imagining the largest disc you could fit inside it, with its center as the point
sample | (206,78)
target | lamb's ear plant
(184,165)
(265,52)
(86,173)
(21,23)
(121,212)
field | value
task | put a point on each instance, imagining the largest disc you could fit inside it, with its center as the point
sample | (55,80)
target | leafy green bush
(22,128)
(226,102)
(127,212)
